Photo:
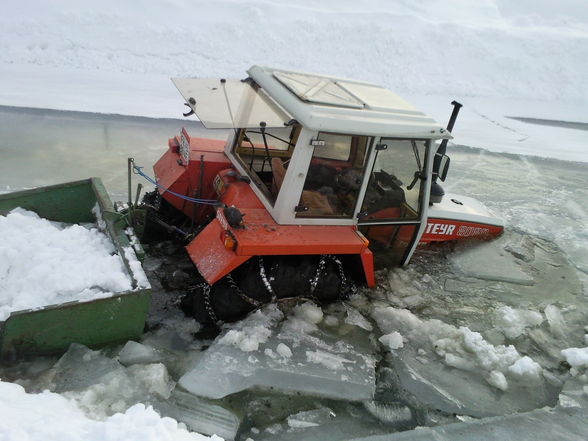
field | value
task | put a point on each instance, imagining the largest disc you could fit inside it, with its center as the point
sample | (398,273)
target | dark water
(43,147)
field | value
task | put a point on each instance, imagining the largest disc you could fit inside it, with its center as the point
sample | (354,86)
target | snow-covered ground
(499,58)
(57,418)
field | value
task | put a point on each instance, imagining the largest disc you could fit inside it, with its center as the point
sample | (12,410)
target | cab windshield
(394,188)
(265,155)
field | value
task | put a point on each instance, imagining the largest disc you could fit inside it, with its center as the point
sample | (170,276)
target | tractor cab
(319,150)
(316,169)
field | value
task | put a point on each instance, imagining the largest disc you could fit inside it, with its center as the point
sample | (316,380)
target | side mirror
(444,167)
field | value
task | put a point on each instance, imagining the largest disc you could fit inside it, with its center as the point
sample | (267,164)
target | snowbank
(500,59)
(44,263)
(51,417)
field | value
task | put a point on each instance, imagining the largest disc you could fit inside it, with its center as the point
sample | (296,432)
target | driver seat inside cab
(334,178)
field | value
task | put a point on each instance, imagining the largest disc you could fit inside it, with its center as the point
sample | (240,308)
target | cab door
(395,199)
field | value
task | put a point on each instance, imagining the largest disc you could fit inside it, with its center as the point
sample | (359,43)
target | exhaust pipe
(437,191)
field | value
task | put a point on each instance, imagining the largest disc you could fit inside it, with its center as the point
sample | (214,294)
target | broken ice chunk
(576,357)
(328,360)
(284,350)
(309,312)
(498,380)
(248,335)
(80,368)
(542,424)
(135,353)
(488,261)
(102,386)
(480,368)
(309,363)
(574,394)
(468,392)
(331,321)
(354,317)
(310,418)
(152,378)
(304,318)
(525,366)
(556,321)
(393,340)
(200,415)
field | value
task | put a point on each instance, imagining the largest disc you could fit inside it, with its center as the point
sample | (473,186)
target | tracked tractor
(320,181)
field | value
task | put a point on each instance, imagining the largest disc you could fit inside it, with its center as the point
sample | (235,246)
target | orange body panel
(261,236)
(210,256)
(173,174)
(367,261)
(440,230)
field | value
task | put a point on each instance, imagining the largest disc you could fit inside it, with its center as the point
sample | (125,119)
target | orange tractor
(320,179)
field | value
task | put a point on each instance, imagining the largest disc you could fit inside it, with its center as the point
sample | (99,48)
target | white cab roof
(332,104)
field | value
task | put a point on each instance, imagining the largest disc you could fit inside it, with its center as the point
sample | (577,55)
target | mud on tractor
(321,181)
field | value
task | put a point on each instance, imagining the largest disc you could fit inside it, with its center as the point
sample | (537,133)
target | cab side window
(335,176)
(265,154)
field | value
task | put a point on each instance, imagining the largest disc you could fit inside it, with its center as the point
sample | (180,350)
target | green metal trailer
(51,329)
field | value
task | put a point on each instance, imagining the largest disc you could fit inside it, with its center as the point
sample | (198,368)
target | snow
(393,340)
(460,348)
(284,350)
(248,335)
(69,263)
(525,366)
(499,59)
(304,318)
(57,418)
(514,322)
(576,357)
(136,268)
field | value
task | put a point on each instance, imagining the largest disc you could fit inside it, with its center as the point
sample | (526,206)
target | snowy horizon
(498,58)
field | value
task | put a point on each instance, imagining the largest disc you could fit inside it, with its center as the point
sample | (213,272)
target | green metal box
(51,329)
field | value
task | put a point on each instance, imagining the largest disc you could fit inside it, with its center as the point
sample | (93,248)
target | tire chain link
(347,288)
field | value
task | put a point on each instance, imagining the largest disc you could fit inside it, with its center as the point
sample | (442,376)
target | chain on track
(347,287)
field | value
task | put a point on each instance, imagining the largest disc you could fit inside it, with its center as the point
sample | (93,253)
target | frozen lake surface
(462,334)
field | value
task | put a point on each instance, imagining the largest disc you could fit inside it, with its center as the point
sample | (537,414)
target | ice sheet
(133,353)
(456,370)
(489,261)
(102,386)
(538,425)
(320,364)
